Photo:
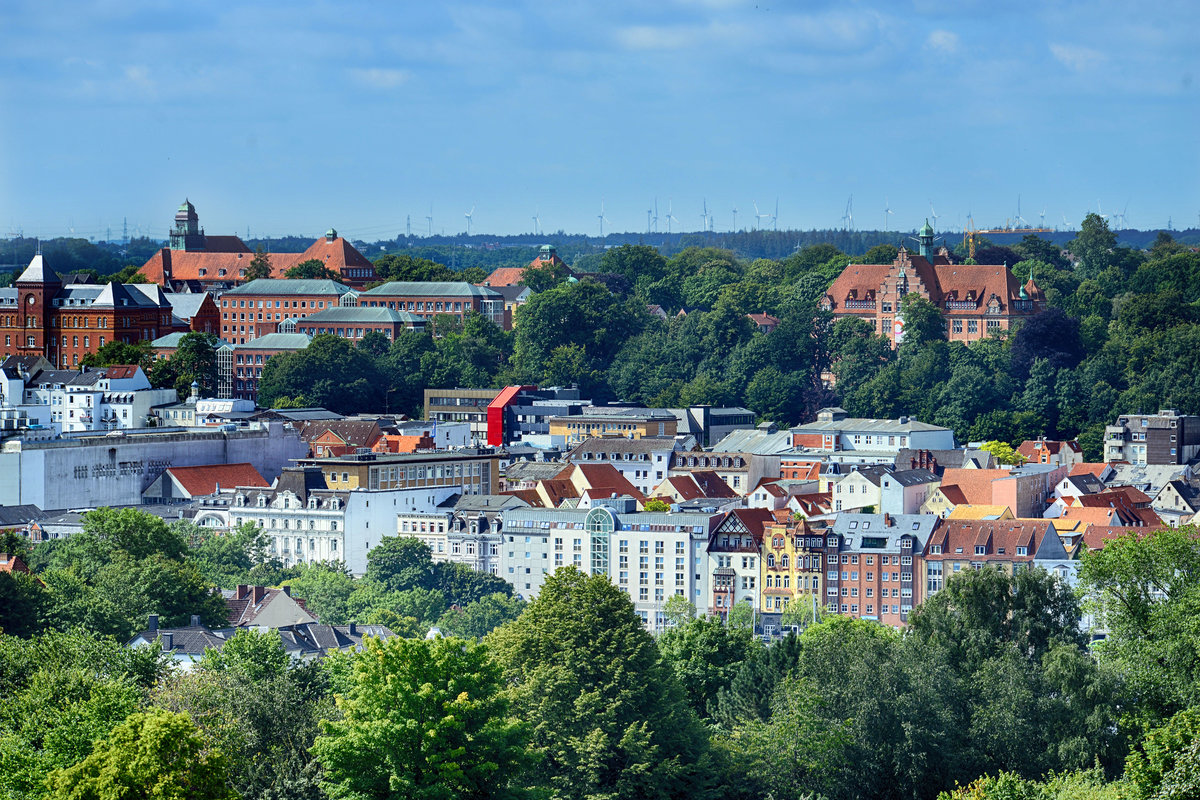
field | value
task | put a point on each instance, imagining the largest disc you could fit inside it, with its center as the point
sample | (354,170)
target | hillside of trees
(993,693)
(1119,335)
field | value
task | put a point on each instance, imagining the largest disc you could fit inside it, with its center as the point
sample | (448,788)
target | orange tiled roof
(337,255)
(12,563)
(505,276)
(974,485)
(1029,448)
(203,480)
(946,282)
(120,371)
(1088,468)
(953,534)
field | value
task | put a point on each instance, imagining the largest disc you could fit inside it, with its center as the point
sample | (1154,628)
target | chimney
(168,641)
(887,520)
(259,593)
(353,628)
(152,626)
(243,589)
(287,590)
(195,621)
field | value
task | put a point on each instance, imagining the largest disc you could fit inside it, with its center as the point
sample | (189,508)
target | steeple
(187,233)
(925,238)
(36,272)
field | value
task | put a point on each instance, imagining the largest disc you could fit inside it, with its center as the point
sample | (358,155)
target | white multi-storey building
(305,522)
(648,555)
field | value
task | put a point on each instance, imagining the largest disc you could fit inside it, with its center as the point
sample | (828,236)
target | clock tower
(36,288)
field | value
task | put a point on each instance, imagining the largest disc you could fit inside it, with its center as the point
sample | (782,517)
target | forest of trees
(1120,335)
(993,693)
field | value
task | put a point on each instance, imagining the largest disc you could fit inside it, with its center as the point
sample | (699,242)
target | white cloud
(1074,57)
(658,37)
(139,76)
(381,78)
(943,41)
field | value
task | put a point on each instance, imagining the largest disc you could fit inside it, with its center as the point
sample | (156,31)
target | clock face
(31,299)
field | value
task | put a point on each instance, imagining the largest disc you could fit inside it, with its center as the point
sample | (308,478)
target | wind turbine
(1021,223)
(759,217)
(887,212)
(704,217)
(735,219)
(1123,223)
(775,216)
(655,218)
(1042,224)
(670,216)
(429,219)
(648,218)
(849,214)
(537,223)
(468,215)
(603,219)
(1101,214)
(933,214)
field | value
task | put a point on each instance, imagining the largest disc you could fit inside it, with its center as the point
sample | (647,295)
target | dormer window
(980,550)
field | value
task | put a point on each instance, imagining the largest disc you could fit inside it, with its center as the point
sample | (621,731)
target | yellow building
(635,423)
(790,567)
(475,471)
(980,512)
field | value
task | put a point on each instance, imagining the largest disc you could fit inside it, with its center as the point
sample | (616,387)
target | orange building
(193,257)
(976,299)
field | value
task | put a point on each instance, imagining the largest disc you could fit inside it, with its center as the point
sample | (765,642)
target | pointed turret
(925,238)
(36,272)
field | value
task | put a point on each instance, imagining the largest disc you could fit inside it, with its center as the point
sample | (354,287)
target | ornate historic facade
(976,299)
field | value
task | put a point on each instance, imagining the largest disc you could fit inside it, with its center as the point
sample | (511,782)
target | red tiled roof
(975,485)
(1088,468)
(949,281)
(120,371)
(712,485)
(604,476)
(203,480)
(505,276)
(1096,536)
(337,255)
(763,319)
(556,491)
(685,487)
(530,496)
(966,534)
(12,563)
(390,443)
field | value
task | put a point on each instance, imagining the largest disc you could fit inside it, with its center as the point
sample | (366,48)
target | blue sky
(290,117)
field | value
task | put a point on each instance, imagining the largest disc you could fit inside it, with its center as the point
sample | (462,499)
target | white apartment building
(304,522)
(648,555)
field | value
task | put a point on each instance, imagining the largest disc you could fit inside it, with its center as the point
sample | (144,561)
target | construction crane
(970,233)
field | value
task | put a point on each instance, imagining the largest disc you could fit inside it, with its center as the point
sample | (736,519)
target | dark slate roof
(18,515)
(913,477)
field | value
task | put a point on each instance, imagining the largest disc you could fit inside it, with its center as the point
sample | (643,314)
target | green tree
(151,754)
(330,373)
(129,274)
(704,655)
(477,619)
(22,603)
(195,359)
(260,266)
(923,322)
(312,269)
(256,655)
(544,276)
(1004,453)
(326,589)
(608,718)
(422,719)
(116,352)
(374,343)
(401,562)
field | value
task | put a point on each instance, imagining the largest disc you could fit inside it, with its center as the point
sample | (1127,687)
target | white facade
(648,555)
(114,469)
(70,402)
(325,526)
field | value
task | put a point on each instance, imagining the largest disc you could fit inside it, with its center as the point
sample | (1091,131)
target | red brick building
(429,298)
(39,316)
(194,257)
(272,305)
(976,299)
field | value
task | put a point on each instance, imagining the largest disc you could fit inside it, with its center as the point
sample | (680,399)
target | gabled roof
(1089,468)
(1031,447)
(360,314)
(711,485)
(12,563)
(203,480)
(1085,483)
(358,433)
(276,341)
(913,477)
(531,470)
(259,605)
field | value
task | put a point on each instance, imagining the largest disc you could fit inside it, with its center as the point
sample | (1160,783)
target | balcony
(860,305)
